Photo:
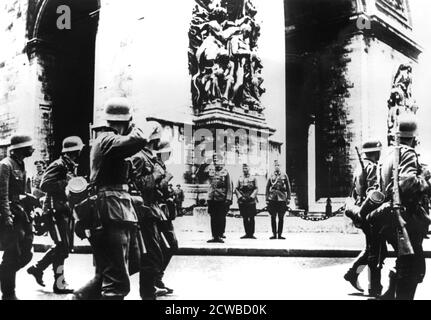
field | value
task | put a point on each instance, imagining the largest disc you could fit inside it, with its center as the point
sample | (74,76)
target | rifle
(403,241)
(364,175)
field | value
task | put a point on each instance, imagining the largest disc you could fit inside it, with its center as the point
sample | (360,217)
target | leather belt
(115,187)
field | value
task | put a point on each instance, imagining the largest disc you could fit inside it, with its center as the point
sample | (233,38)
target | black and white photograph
(215,150)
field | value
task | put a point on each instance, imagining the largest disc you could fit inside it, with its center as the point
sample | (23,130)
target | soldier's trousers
(410,270)
(169,246)
(17,244)
(92,290)
(152,261)
(277,209)
(111,253)
(248,212)
(217,211)
(373,256)
(61,234)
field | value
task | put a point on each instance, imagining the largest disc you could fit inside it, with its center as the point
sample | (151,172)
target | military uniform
(277,197)
(219,199)
(35,185)
(109,175)
(375,247)
(54,183)
(179,199)
(410,269)
(149,215)
(17,239)
(246,191)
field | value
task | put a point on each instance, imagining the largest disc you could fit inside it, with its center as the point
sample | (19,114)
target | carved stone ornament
(223,60)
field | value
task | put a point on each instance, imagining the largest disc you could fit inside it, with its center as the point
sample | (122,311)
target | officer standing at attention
(277,199)
(375,249)
(179,199)
(219,199)
(16,235)
(37,178)
(246,192)
(54,182)
(414,184)
(109,176)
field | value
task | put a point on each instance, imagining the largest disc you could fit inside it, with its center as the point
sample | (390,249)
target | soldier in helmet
(414,183)
(151,179)
(246,192)
(16,234)
(365,179)
(277,199)
(169,244)
(219,199)
(109,176)
(54,182)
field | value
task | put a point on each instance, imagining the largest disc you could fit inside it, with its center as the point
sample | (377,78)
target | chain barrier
(304,215)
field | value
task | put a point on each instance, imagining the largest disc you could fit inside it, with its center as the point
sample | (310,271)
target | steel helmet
(118,109)
(73,143)
(407,126)
(19,141)
(371,146)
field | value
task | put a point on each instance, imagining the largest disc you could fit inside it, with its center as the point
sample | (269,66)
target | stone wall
(17,110)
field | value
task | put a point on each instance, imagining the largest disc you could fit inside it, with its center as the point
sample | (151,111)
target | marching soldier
(246,192)
(414,184)
(109,176)
(219,199)
(166,227)
(54,182)
(150,178)
(375,248)
(277,199)
(16,234)
(179,199)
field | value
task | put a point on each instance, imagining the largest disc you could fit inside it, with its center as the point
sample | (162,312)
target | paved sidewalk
(334,237)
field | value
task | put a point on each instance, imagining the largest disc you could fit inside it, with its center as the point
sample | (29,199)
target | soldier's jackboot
(7,284)
(37,274)
(375,288)
(37,270)
(160,284)
(352,277)
(273,227)
(280,227)
(60,285)
(390,292)
(406,289)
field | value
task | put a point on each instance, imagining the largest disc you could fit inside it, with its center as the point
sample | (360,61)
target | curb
(247,252)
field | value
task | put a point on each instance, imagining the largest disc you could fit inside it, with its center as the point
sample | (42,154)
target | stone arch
(65,68)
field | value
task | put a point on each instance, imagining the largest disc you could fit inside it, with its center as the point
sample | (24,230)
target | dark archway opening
(317,38)
(69,71)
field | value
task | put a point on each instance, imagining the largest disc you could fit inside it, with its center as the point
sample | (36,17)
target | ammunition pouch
(87,215)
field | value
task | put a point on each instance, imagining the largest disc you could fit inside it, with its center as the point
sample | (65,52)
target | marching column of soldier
(390,203)
(127,208)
